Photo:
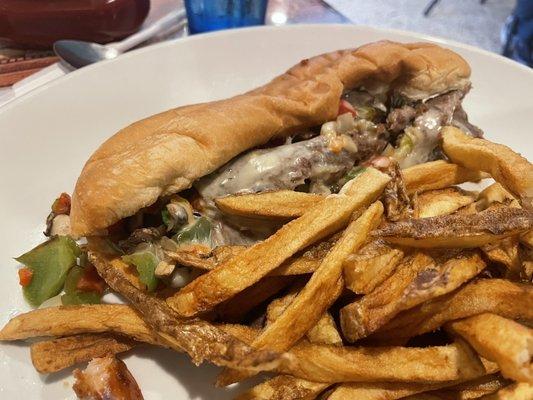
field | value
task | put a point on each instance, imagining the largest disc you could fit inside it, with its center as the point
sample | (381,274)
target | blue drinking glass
(213,15)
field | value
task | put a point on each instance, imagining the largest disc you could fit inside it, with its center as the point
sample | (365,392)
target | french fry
(501,340)
(473,389)
(286,204)
(317,296)
(508,168)
(495,193)
(397,390)
(308,361)
(458,231)
(527,239)
(438,175)
(498,296)
(283,204)
(516,391)
(380,390)
(505,252)
(325,330)
(200,339)
(234,309)
(304,263)
(371,265)
(366,364)
(57,354)
(248,267)
(417,279)
(307,261)
(75,320)
(284,387)
(442,202)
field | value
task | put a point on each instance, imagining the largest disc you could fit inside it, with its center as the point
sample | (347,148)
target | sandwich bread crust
(167,152)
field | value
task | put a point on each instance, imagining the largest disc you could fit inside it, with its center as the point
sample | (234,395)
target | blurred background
(29,28)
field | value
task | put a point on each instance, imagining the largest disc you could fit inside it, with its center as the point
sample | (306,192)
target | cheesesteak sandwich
(309,130)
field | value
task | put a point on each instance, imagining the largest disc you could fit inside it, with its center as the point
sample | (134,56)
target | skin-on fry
(54,355)
(458,231)
(371,265)
(380,390)
(442,202)
(324,332)
(505,252)
(501,340)
(284,387)
(307,261)
(257,261)
(201,340)
(495,193)
(234,309)
(363,364)
(393,391)
(466,391)
(417,279)
(75,320)
(308,361)
(283,204)
(508,168)
(437,175)
(318,294)
(286,204)
(498,296)
(516,391)
(304,263)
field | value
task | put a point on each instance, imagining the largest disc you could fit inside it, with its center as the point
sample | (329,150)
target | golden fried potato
(388,364)
(75,320)
(505,252)
(476,388)
(516,391)
(442,202)
(200,339)
(324,332)
(458,230)
(437,175)
(417,279)
(285,387)
(248,267)
(57,354)
(498,296)
(371,265)
(283,204)
(508,168)
(380,390)
(318,294)
(234,309)
(500,340)
(495,193)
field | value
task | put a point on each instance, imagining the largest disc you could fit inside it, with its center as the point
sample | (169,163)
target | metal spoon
(78,53)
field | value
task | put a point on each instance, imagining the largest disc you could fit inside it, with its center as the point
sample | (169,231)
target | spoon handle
(159,26)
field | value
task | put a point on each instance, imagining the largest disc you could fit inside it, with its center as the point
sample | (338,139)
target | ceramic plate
(46,136)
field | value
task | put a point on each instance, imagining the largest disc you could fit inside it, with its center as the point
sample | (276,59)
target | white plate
(46,136)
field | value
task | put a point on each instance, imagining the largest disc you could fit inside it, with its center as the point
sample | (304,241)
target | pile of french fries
(397,287)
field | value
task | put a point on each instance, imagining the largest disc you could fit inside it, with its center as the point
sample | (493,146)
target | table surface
(280,12)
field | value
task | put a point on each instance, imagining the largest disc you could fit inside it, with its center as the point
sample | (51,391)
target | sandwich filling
(370,129)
